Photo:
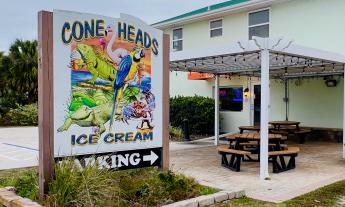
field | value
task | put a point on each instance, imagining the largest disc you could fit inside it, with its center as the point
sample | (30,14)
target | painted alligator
(98,67)
(85,116)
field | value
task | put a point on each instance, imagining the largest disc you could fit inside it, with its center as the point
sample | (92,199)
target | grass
(326,197)
(25,180)
(94,187)
(141,187)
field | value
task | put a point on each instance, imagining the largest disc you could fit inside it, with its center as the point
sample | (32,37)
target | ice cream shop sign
(77,31)
(102,98)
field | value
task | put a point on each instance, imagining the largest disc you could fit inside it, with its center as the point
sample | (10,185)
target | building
(311,23)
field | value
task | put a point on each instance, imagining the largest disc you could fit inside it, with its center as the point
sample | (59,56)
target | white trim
(211,29)
(264,112)
(252,97)
(216,110)
(261,24)
(258,25)
(344,116)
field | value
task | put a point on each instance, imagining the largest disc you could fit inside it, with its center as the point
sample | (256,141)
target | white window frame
(172,39)
(211,29)
(257,25)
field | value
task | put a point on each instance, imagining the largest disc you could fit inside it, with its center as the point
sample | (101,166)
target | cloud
(20,17)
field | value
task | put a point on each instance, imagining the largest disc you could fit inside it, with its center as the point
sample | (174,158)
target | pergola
(276,58)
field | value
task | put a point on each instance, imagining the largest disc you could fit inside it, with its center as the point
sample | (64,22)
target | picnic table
(252,139)
(290,127)
(238,152)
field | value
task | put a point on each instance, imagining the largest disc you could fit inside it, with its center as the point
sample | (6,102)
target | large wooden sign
(103,91)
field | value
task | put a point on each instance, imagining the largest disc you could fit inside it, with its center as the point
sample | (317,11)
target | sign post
(45,99)
(103,92)
(166,96)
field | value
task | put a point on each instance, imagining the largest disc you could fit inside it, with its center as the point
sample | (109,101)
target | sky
(19,17)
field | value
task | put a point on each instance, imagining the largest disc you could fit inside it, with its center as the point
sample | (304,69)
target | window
(216,28)
(177,39)
(259,23)
(231,98)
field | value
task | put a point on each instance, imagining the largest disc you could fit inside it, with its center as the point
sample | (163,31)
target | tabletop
(249,127)
(284,122)
(252,136)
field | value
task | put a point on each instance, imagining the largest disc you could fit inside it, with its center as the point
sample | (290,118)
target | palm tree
(22,64)
(2,74)
(7,97)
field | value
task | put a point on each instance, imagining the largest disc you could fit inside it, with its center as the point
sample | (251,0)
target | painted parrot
(127,66)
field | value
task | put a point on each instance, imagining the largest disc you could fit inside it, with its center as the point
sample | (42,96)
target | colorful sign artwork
(108,83)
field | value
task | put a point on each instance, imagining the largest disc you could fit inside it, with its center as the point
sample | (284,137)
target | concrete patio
(318,164)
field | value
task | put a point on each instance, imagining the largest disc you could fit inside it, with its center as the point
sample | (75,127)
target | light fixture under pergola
(275,58)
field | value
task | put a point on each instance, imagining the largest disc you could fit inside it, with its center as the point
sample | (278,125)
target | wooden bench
(302,134)
(278,160)
(337,132)
(234,163)
(283,133)
(249,128)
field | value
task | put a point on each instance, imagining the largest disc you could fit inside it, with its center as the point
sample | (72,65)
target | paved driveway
(18,147)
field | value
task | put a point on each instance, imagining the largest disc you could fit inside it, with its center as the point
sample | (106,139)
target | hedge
(198,110)
(26,115)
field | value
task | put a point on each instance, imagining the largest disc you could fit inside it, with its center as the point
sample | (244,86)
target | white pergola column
(216,110)
(265,91)
(344,116)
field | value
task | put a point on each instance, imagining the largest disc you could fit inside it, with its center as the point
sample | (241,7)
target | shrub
(73,187)
(26,115)
(198,110)
(138,187)
(175,133)
(6,102)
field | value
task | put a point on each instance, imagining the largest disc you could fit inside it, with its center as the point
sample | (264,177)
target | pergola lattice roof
(287,60)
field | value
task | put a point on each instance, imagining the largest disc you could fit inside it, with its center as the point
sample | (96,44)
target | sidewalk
(18,147)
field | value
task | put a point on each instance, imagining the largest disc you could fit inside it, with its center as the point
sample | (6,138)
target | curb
(207,200)
(9,198)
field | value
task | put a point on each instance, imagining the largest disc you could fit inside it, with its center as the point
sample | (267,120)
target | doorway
(256,109)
